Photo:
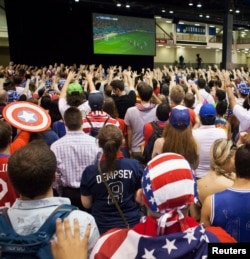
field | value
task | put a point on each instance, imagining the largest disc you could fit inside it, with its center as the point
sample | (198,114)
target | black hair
(163,110)
(208,120)
(242,161)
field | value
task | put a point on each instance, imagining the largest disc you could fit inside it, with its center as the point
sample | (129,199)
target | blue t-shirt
(49,136)
(59,128)
(124,182)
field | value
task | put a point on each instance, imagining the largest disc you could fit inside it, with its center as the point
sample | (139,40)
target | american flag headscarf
(168,187)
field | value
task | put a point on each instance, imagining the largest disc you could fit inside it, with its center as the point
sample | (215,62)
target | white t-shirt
(205,137)
(243,115)
(63,106)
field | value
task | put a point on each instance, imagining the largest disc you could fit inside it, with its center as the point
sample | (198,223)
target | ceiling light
(190,3)
(163,10)
(207,16)
(199,5)
(201,15)
(118,4)
(237,11)
(171,11)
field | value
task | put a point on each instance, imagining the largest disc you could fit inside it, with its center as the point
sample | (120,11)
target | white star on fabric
(148,254)
(190,236)
(203,230)
(170,245)
(148,187)
(204,257)
(152,200)
(204,237)
(147,176)
(27,116)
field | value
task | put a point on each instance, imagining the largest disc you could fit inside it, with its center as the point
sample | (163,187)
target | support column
(227,40)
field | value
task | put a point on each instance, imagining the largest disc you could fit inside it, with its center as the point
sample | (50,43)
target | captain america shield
(27,116)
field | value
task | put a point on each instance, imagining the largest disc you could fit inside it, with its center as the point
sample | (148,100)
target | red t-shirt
(7,192)
(123,128)
(148,130)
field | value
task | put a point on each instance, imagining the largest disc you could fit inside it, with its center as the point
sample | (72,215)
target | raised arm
(71,77)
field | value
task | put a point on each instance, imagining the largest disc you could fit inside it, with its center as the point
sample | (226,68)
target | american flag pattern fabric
(168,182)
(124,243)
(168,187)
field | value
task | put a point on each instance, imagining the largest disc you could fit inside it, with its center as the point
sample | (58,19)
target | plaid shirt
(74,152)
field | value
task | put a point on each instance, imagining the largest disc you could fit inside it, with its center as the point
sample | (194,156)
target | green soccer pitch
(132,43)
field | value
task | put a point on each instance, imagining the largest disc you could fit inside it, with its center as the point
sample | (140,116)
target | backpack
(36,245)
(94,130)
(157,133)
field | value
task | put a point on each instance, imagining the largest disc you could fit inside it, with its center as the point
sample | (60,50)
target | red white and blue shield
(27,116)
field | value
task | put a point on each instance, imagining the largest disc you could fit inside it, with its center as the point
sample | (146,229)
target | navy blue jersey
(123,182)
(231,211)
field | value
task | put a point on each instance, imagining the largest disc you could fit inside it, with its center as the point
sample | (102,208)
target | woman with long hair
(110,108)
(178,138)
(122,175)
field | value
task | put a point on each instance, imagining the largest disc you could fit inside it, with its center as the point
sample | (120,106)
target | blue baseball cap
(179,117)
(207,110)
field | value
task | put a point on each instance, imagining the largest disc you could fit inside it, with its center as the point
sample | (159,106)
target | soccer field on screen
(133,43)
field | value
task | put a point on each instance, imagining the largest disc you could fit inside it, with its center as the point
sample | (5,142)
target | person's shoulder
(159,141)
(58,142)
(149,126)
(92,169)
(82,216)
(131,93)
(220,131)
(131,110)
(121,121)
(130,161)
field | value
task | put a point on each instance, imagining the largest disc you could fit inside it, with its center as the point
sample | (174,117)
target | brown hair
(177,94)
(5,135)
(110,140)
(75,99)
(32,168)
(181,142)
(73,118)
(110,107)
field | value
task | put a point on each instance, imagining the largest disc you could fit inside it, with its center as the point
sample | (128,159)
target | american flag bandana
(168,187)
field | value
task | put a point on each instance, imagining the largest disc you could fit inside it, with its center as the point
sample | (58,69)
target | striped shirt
(98,119)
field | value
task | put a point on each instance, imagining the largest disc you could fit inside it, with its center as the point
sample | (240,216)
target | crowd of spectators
(205,118)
